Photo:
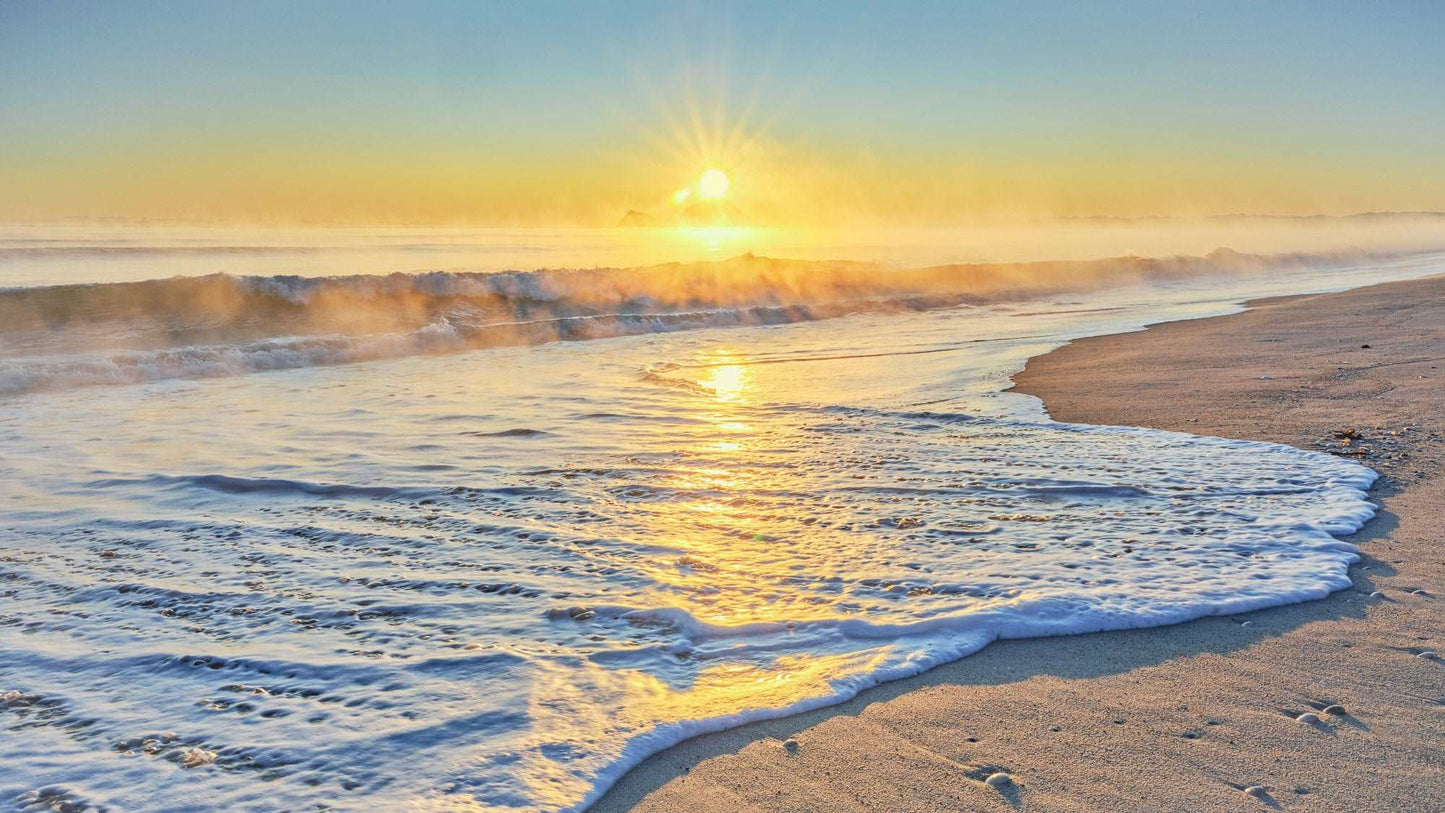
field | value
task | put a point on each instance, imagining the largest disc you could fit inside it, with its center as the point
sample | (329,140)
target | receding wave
(66,336)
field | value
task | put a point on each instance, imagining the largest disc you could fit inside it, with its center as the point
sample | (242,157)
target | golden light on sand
(713,184)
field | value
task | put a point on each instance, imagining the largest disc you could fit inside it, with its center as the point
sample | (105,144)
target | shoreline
(1100,721)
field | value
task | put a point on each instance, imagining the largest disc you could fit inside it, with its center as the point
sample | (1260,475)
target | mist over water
(59,254)
(226,308)
(382,541)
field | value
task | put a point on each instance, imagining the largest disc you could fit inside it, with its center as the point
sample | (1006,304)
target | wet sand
(1193,717)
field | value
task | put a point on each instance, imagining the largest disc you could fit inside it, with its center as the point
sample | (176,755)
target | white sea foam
(508,576)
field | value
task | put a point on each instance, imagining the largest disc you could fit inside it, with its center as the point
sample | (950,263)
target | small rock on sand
(998,780)
(1429,655)
(1377,594)
(197,757)
(1308,717)
(1257,791)
(790,745)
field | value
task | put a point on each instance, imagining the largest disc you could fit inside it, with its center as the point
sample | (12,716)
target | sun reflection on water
(727,381)
(727,240)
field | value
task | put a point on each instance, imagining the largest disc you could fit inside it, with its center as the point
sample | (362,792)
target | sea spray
(59,337)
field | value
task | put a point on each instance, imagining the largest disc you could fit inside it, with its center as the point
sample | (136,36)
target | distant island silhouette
(702,213)
(636,218)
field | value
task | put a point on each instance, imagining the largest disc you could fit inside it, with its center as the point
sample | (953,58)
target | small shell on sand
(998,780)
(1335,709)
(1377,594)
(1308,717)
(790,745)
(1257,791)
(1246,623)
(1429,655)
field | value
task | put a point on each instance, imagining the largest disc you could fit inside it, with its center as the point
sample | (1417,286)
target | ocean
(299,518)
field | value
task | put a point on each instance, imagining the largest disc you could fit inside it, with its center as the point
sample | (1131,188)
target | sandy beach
(1194,717)
(722,407)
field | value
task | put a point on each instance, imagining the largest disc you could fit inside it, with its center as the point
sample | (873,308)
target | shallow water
(499,577)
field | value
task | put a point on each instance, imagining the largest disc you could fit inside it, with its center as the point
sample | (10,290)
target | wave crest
(58,337)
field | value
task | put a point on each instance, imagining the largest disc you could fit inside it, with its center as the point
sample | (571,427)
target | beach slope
(1200,716)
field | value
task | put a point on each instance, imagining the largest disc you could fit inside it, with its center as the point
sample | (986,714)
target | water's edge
(658,741)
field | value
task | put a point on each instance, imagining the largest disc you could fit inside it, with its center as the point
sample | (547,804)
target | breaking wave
(65,336)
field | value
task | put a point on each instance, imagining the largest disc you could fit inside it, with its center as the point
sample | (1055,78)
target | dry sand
(1187,717)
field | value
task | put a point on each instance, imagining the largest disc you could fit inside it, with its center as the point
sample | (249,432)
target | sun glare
(713,184)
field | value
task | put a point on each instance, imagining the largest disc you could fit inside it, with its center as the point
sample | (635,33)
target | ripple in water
(503,577)
(524,643)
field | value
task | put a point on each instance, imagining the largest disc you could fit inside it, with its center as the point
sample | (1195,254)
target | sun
(713,184)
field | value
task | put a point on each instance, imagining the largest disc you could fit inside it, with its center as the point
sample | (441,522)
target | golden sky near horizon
(559,114)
